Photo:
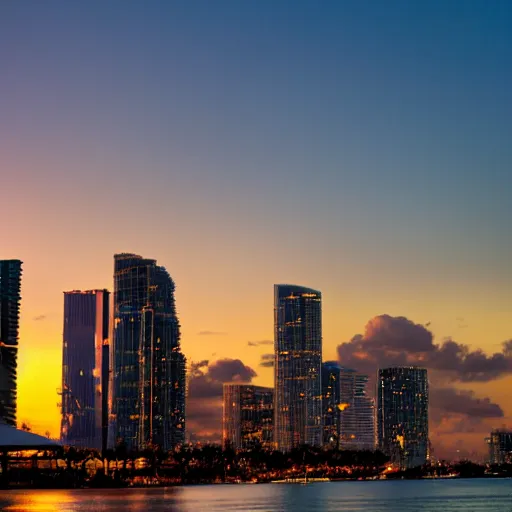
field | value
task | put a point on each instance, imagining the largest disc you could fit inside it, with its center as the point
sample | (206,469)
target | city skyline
(480,406)
(360,151)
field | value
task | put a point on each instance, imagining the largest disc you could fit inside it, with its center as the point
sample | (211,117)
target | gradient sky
(360,148)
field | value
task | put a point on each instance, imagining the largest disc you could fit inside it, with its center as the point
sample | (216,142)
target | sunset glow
(364,155)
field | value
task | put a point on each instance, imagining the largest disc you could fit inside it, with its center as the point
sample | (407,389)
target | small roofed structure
(12,439)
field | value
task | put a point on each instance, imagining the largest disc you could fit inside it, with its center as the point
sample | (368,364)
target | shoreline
(204,484)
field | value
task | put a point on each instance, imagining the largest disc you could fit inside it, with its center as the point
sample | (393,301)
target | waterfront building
(500,446)
(85,369)
(358,412)
(10,298)
(331,403)
(148,367)
(247,416)
(298,365)
(402,415)
(348,412)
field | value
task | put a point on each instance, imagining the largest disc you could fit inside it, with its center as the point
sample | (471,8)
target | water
(402,496)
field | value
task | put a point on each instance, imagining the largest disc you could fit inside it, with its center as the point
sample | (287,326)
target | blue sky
(361,147)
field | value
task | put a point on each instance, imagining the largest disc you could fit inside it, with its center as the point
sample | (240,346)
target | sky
(358,148)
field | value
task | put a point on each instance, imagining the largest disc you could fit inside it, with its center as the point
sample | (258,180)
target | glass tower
(500,447)
(247,416)
(358,412)
(348,413)
(298,365)
(402,415)
(10,297)
(148,366)
(331,402)
(85,369)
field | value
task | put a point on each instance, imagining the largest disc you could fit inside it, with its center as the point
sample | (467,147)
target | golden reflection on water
(32,501)
(83,499)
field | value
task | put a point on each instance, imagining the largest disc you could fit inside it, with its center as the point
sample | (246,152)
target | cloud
(206,378)
(455,401)
(459,448)
(267,361)
(390,341)
(204,404)
(261,342)
(212,333)
(204,419)
(196,368)
(459,424)
(39,318)
(230,370)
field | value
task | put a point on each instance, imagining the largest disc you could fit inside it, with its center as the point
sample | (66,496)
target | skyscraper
(358,412)
(402,415)
(85,369)
(348,413)
(148,366)
(331,403)
(247,416)
(10,297)
(500,446)
(298,364)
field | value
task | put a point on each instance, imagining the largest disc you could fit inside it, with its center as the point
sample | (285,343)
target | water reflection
(404,496)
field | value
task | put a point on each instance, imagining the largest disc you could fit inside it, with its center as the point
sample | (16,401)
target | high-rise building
(358,412)
(148,368)
(10,297)
(500,446)
(298,365)
(331,404)
(85,369)
(348,412)
(402,415)
(247,416)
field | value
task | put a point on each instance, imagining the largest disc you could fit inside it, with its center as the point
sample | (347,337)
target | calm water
(404,496)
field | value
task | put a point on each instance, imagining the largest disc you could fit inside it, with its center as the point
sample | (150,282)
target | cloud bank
(258,343)
(390,341)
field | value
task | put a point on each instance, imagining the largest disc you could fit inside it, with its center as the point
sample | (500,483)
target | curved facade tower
(348,412)
(298,365)
(148,402)
(358,414)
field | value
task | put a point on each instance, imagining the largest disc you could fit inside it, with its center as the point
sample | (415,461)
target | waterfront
(475,495)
